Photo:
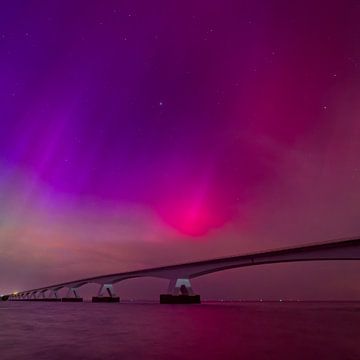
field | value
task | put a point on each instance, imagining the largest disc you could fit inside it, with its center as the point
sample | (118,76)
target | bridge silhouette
(180,289)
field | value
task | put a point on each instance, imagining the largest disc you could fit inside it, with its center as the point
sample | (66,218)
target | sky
(145,133)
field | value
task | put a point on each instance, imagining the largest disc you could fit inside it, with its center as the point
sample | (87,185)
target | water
(31,330)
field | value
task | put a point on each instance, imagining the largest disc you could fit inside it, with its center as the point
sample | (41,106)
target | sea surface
(33,330)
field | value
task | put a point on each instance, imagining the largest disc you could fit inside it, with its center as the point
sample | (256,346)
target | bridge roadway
(180,275)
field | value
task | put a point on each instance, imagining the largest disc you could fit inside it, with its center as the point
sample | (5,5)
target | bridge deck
(198,268)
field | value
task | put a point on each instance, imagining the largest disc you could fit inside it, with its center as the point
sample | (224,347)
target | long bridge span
(180,275)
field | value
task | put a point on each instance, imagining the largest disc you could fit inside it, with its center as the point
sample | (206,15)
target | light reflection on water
(31,330)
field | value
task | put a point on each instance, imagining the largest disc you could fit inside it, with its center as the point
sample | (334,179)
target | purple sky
(142,133)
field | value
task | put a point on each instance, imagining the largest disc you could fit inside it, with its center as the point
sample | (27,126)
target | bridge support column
(54,295)
(37,295)
(74,298)
(42,296)
(33,296)
(106,294)
(180,291)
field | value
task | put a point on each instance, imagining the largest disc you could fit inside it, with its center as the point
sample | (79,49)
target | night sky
(144,133)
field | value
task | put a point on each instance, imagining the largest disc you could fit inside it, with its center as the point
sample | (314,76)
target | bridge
(180,289)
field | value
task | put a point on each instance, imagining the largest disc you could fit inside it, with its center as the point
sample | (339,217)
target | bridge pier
(21,297)
(51,297)
(54,294)
(38,295)
(180,291)
(106,294)
(74,298)
(42,296)
(33,295)
(17,297)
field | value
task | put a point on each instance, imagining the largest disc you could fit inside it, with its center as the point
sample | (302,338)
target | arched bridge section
(180,275)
